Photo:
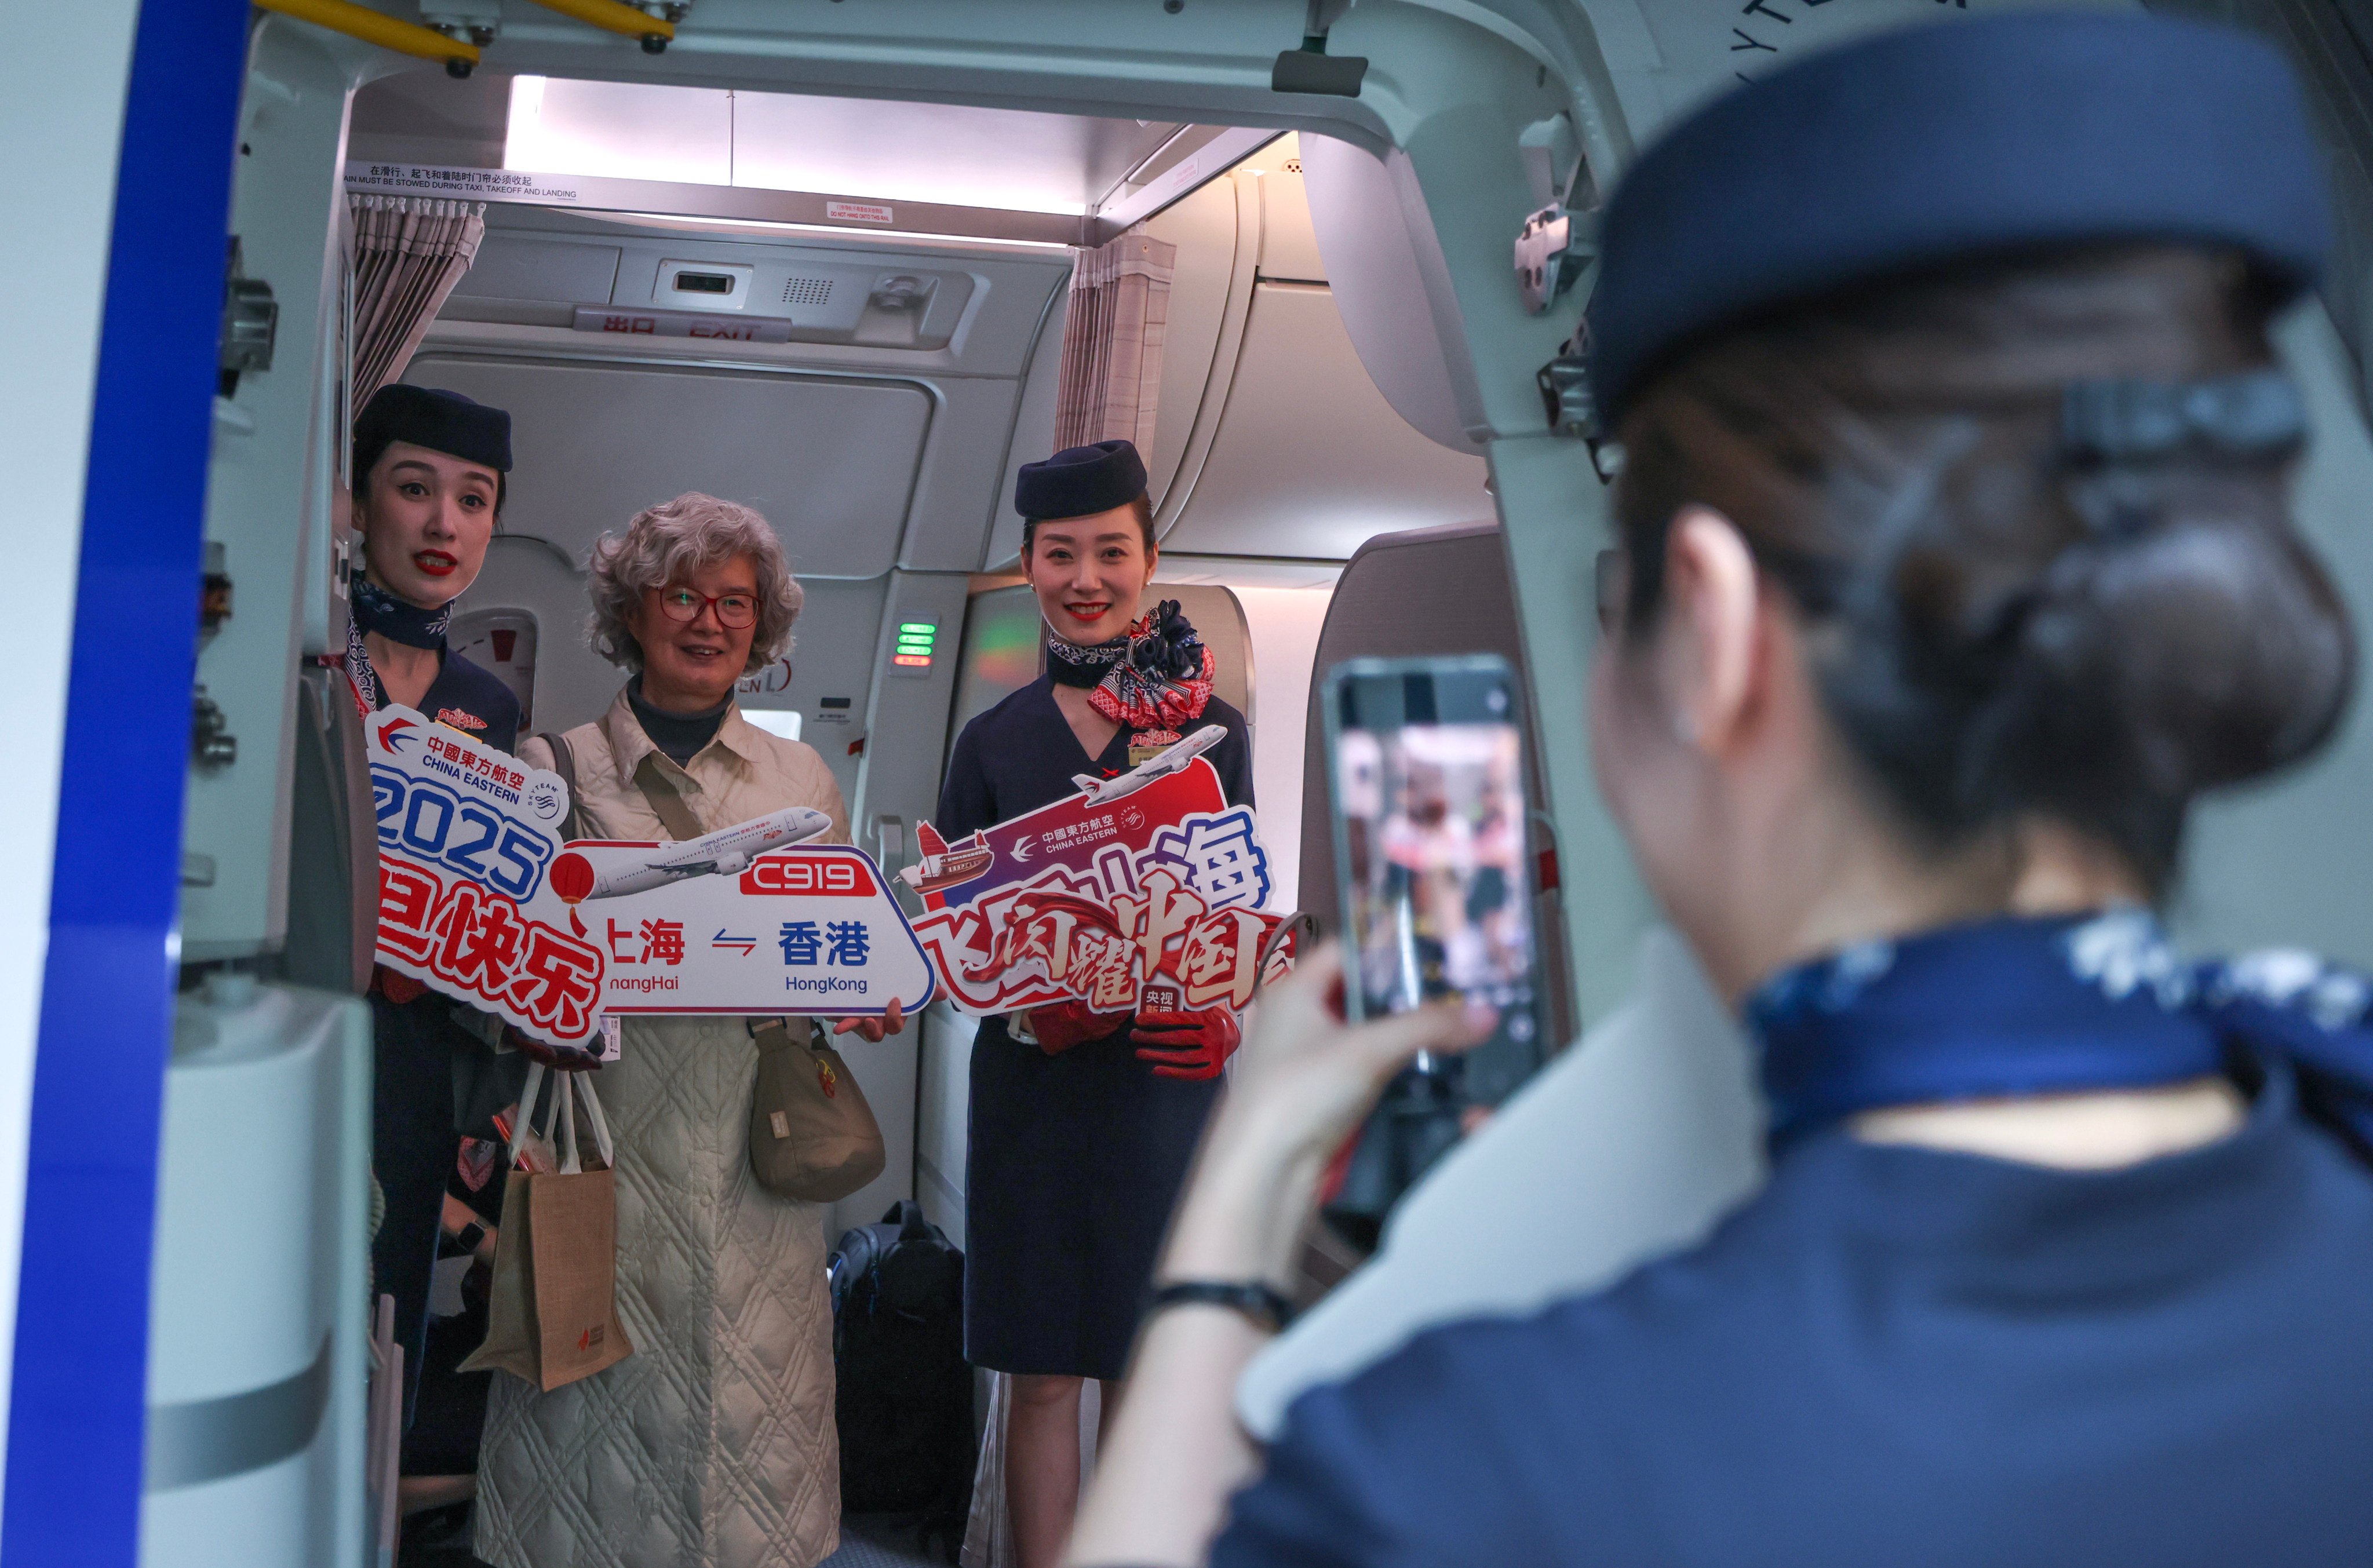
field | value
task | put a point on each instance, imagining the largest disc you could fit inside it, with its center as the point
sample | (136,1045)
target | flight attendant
(428,470)
(1082,1123)
(1954,564)
(428,483)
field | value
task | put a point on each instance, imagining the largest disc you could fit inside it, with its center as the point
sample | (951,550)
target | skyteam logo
(546,799)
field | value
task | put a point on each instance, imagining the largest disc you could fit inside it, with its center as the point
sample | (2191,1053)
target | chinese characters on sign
(1158,892)
(469,853)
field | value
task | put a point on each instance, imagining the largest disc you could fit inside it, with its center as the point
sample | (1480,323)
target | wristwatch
(1262,1303)
(469,1237)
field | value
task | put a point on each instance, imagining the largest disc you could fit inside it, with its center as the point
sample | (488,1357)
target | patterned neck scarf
(371,608)
(1156,676)
(2053,1006)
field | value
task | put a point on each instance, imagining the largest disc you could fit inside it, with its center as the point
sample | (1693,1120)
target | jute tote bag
(553,1314)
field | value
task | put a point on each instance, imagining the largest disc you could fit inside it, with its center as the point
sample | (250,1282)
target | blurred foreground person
(1955,564)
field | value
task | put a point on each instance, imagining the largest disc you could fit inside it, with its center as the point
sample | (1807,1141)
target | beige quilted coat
(712,1445)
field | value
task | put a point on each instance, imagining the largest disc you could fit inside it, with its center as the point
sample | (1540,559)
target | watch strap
(1256,1299)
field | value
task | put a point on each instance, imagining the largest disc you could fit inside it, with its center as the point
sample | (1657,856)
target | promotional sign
(1145,889)
(479,899)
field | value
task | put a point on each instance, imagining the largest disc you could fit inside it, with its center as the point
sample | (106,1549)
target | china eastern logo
(831,876)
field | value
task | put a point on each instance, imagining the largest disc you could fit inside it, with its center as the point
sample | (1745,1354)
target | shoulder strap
(666,800)
(564,760)
(564,763)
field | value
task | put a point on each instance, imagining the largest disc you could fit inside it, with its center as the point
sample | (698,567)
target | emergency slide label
(480,899)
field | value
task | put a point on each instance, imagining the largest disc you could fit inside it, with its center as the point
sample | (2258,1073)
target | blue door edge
(76,1400)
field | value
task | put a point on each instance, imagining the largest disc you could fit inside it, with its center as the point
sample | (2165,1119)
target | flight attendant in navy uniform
(428,483)
(1082,1123)
(1954,563)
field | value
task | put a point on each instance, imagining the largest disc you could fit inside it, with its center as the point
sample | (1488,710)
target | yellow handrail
(376,26)
(616,15)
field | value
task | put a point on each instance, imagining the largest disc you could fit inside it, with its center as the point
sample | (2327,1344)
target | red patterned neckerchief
(1156,676)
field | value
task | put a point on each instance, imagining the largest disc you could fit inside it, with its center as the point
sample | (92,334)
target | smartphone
(1433,883)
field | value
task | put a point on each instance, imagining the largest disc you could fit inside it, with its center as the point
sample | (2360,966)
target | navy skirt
(1075,1165)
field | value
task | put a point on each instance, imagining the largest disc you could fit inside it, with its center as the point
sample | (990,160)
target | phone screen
(1429,774)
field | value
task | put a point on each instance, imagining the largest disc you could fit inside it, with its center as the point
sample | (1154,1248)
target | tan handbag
(812,1135)
(551,1317)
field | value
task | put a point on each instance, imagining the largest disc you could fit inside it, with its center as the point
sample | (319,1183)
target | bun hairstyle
(2002,626)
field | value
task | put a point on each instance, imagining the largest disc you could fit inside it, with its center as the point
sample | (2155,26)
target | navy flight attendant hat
(428,416)
(1080,482)
(1944,142)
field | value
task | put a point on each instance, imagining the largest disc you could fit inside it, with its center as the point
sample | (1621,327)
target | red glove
(560,1058)
(1187,1045)
(1070,1022)
(398,988)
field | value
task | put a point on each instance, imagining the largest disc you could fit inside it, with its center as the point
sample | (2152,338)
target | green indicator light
(926,627)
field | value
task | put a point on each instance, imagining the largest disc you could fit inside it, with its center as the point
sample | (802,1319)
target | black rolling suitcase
(905,1399)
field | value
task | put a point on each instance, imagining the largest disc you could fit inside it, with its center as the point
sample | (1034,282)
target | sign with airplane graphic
(1114,895)
(481,899)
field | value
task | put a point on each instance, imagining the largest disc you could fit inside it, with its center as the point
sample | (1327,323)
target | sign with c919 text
(481,899)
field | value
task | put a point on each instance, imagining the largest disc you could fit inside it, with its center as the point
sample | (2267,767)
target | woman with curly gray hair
(714,1443)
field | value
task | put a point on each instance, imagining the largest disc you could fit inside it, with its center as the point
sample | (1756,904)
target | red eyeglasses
(735,610)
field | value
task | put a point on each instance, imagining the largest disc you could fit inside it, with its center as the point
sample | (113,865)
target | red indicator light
(912,660)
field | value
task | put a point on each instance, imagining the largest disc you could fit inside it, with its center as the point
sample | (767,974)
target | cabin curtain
(409,252)
(1112,346)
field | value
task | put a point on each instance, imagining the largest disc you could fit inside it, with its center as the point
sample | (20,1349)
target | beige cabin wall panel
(1289,247)
(1033,436)
(1309,460)
(830,460)
(1203,226)
(959,487)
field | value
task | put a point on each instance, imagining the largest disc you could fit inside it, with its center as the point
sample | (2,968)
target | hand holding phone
(1426,758)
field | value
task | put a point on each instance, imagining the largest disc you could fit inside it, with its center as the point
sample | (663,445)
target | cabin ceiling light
(1013,161)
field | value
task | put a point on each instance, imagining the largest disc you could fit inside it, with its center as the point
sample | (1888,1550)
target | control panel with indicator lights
(912,651)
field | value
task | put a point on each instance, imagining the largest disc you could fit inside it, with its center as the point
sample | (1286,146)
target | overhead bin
(1273,437)
(1308,459)
(1392,286)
